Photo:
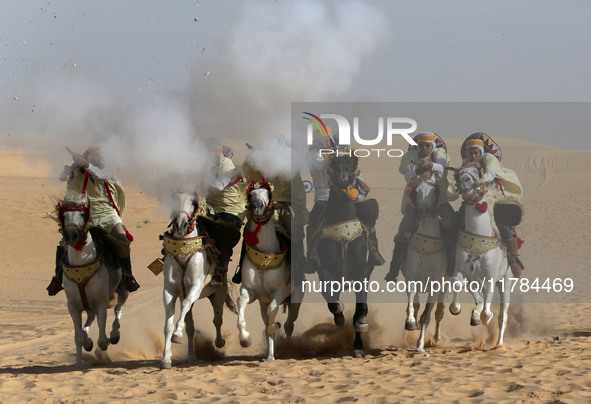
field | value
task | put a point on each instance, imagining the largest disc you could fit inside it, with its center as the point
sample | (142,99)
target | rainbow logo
(322,128)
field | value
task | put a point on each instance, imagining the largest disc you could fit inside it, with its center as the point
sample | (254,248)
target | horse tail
(230,304)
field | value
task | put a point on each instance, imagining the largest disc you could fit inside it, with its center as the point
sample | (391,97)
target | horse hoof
(246,343)
(270,358)
(177,339)
(455,309)
(339,320)
(358,353)
(220,343)
(474,321)
(104,346)
(115,340)
(88,347)
(166,365)
(410,325)
(486,319)
(420,350)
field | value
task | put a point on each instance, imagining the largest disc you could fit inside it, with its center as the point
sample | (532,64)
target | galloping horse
(342,247)
(266,274)
(426,259)
(91,275)
(187,268)
(480,254)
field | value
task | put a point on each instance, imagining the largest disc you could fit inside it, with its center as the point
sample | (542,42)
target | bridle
(336,182)
(70,206)
(191,216)
(269,205)
(477,190)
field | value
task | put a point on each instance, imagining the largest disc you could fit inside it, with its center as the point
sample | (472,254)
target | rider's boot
(221,269)
(513,257)
(128,279)
(399,250)
(375,258)
(237,278)
(56,282)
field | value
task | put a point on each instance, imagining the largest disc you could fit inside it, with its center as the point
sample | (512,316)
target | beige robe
(447,190)
(231,199)
(102,212)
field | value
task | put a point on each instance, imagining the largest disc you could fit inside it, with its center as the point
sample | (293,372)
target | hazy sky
(127,73)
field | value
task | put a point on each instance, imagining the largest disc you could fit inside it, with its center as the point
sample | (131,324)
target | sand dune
(546,357)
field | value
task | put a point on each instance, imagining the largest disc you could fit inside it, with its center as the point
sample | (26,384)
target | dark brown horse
(342,247)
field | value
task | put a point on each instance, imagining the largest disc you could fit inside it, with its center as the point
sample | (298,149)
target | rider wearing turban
(503,188)
(107,202)
(426,157)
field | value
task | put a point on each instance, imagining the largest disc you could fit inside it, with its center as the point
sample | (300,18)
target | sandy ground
(545,358)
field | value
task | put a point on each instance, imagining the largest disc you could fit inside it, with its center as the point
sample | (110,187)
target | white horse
(88,281)
(480,257)
(425,260)
(187,269)
(266,273)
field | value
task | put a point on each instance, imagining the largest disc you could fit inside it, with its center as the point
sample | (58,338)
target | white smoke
(274,53)
(277,53)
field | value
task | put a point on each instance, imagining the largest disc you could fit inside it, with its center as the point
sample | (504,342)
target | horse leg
(76,314)
(246,297)
(455,308)
(122,295)
(193,293)
(88,344)
(424,323)
(169,302)
(190,336)
(337,311)
(360,315)
(217,302)
(438,317)
(101,319)
(272,326)
(293,310)
(411,323)
(269,330)
(503,315)
(487,313)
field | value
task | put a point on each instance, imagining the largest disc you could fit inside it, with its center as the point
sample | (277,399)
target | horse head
(260,202)
(184,214)
(341,170)
(426,191)
(467,183)
(73,214)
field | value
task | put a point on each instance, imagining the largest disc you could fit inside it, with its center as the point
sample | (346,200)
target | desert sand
(545,358)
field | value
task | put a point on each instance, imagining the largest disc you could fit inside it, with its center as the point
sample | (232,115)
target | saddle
(225,234)
(109,247)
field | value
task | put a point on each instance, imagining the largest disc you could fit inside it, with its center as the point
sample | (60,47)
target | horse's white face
(259,203)
(426,198)
(466,182)
(74,216)
(184,207)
